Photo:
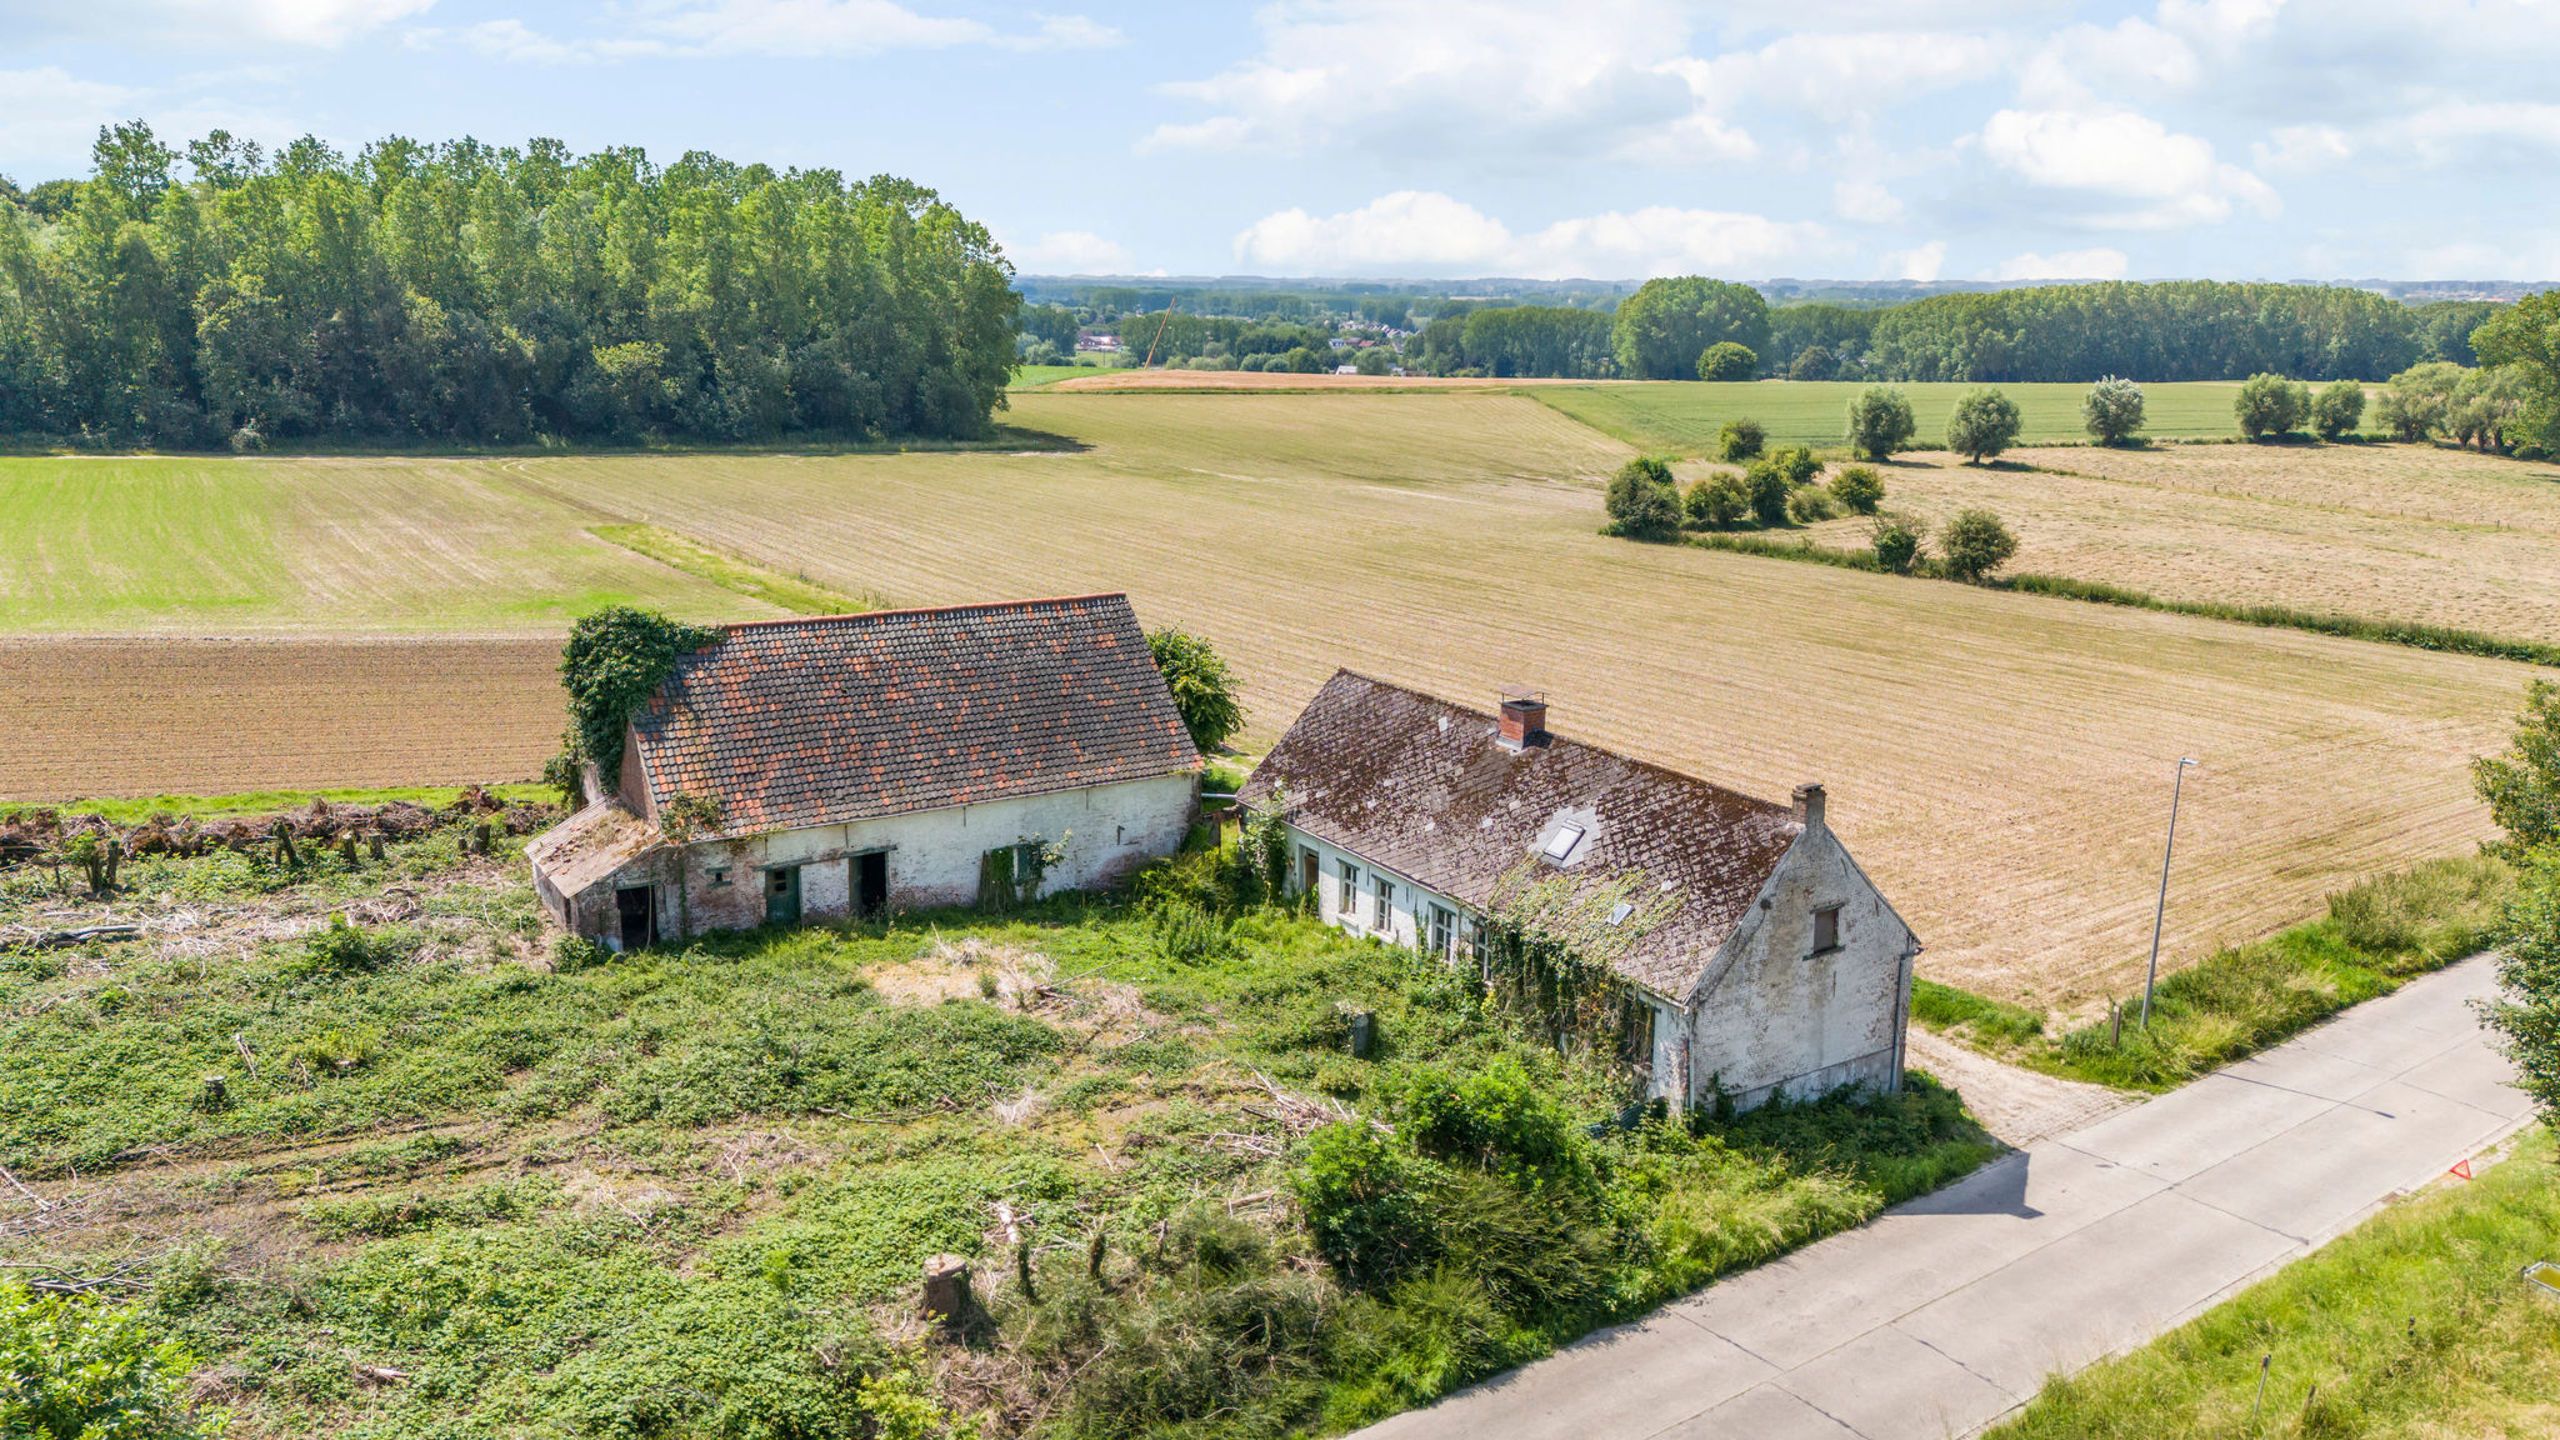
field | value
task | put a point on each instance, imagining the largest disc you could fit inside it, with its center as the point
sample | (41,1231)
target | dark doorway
(782,895)
(871,884)
(1309,872)
(637,908)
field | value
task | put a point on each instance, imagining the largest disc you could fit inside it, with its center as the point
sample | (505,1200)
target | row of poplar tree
(462,292)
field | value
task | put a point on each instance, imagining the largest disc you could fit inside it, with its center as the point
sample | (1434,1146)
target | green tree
(1376,360)
(1765,484)
(1796,463)
(1726,360)
(1858,489)
(2525,338)
(1880,422)
(2270,405)
(1974,544)
(1717,501)
(1643,501)
(1897,540)
(2113,411)
(1985,423)
(2526,1013)
(1662,329)
(2492,409)
(2522,787)
(614,660)
(1813,362)
(1204,693)
(1740,440)
(76,1368)
(2338,409)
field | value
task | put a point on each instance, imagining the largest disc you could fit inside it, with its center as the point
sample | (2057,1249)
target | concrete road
(1945,1314)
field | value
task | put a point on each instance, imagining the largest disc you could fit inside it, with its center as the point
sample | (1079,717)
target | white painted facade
(1771,1014)
(933,858)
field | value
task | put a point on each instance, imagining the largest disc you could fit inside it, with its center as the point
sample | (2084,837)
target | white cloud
(1920,264)
(48,114)
(1866,202)
(2303,148)
(1423,232)
(1070,252)
(323,24)
(783,29)
(2122,154)
(2221,22)
(2101,263)
(2454,126)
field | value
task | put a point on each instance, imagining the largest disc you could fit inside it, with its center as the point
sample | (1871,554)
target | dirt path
(2020,1106)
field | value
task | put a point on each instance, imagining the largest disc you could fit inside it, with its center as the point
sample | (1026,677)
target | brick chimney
(1809,804)
(1524,719)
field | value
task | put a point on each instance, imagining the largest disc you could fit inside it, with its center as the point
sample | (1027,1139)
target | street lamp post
(2176,787)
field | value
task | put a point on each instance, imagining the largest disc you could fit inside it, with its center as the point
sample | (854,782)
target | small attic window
(1560,844)
(1619,912)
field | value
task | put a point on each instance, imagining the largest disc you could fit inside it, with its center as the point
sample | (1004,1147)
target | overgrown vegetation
(614,659)
(688,1191)
(76,1367)
(2523,791)
(1204,691)
(2244,998)
(2416,1324)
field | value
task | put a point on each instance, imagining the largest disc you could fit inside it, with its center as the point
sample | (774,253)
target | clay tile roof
(1423,788)
(795,723)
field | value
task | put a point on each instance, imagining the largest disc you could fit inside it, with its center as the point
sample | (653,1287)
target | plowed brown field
(131,716)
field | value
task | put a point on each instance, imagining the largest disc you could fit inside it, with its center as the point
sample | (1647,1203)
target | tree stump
(347,848)
(946,1290)
(373,846)
(1364,1034)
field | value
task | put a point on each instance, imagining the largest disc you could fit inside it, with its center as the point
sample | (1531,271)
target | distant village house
(1764,961)
(853,765)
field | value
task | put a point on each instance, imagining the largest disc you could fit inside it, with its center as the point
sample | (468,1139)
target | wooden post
(373,846)
(946,1290)
(347,848)
(115,857)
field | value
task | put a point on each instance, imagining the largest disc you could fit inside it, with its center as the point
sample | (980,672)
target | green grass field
(135,809)
(2415,1326)
(1678,417)
(1032,377)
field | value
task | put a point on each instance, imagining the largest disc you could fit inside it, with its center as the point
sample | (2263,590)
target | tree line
(2161,331)
(460,292)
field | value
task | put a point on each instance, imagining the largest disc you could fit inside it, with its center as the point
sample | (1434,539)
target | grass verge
(2415,1324)
(2244,998)
(2275,617)
(796,593)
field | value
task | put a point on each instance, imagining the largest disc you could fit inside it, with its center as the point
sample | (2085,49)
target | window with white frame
(1386,904)
(1347,904)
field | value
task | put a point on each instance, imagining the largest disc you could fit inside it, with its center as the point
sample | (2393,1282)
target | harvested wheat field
(2397,532)
(136,716)
(2000,761)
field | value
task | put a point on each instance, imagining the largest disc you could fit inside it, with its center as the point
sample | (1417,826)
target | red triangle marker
(2462,1168)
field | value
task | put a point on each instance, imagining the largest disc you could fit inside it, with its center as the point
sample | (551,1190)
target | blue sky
(1861,139)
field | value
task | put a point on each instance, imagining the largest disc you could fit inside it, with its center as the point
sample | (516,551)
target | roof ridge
(782,620)
(1640,762)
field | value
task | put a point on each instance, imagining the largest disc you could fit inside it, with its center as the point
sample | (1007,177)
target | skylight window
(1560,844)
(1618,913)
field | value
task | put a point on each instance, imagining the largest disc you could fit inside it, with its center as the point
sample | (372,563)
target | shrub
(2271,405)
(1880,422)
(1361,1193)
(1797,464)
(1498,1120)
(1858,489)
(1985,423)
(2113,411)
(572,953)
(1643,501)
(2338,409)
(1727,360)
(2522,787)
(2527,1010)
(1740,440)
(1766,486)
(73,1368)
(343,949)
(1974,544)
(1204,693)
(1897,540)
(1717,501)
(1810,505)
(613,660)
(1813,362)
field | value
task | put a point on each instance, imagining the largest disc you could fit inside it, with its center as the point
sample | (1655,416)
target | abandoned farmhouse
(842,766)
(1765,961)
